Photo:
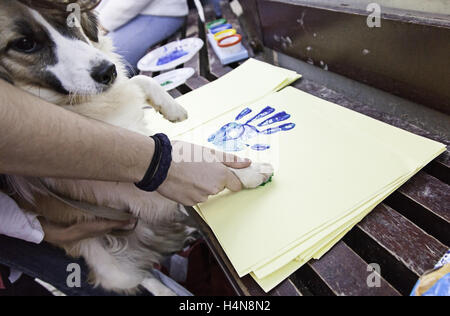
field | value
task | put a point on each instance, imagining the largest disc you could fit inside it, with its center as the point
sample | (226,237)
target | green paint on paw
(268,181)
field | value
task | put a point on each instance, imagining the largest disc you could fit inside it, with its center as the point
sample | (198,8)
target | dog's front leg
(160,100)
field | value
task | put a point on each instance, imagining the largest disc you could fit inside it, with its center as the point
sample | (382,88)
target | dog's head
(39,49)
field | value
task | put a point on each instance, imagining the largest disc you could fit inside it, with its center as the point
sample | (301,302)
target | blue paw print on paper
(235,136)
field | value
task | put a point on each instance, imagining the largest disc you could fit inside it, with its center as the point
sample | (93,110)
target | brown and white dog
(76,68)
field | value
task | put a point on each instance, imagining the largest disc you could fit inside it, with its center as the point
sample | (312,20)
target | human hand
(58,235)
(198,172)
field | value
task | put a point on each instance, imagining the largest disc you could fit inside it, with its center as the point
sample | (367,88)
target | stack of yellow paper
(333,166)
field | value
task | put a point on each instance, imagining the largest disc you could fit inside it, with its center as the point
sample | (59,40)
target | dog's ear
(4,74)
(89,23)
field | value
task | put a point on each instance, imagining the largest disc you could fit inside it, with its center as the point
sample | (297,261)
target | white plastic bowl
(175,78)
(190,46)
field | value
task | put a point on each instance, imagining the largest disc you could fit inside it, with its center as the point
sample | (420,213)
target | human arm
(42,140)
(39,139)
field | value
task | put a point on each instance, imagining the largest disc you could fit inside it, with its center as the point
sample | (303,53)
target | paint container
(231,44)
(224,34)
(216,23)
(173,79)
(221,28)
(171,55)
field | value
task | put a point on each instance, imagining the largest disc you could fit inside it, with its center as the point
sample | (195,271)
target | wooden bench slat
(425,201)
(400,247)
(216,69)
(430,193)
(196,82)
(341,272)
(440,168)
(192,24)
(444,159)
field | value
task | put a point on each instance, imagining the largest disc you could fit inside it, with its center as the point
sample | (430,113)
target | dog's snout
(105,73)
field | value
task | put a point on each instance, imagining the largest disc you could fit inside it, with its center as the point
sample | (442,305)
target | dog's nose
(105,73)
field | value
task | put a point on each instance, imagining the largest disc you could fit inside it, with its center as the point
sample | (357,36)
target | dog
(76,68)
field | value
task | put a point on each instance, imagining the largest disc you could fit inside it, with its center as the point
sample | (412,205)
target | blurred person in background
(137,25)
(217,8)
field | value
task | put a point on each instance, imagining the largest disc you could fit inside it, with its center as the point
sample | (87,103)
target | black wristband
(159,167)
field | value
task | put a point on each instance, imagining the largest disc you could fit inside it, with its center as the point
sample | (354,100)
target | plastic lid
(221,28)
(171,80)
(223,34)
(230,40)
(171,55)
(216,23)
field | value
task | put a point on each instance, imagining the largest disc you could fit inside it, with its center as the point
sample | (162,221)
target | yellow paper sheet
(416,150)
(372,128)
(320,248)
(304,244)
(314,159)
(268,282)
(246,84)
(332,169)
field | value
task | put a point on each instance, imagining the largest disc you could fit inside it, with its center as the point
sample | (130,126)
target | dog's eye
(25,45)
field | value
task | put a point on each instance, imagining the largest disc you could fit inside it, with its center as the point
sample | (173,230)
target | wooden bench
(406,234)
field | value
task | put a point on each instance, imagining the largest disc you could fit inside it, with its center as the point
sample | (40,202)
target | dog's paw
(255,175)
(176,113)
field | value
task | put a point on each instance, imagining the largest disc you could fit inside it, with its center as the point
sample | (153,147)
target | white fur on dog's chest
(121,106)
